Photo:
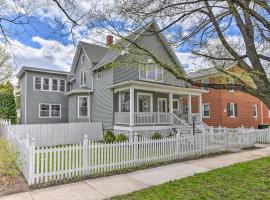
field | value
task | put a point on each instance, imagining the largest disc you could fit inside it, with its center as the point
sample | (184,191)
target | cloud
(51,54)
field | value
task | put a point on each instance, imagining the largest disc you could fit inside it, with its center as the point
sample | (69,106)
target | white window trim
(82,61)
(84,84)
(146,74)
(99,73)
(231,81)
(50,84)
(78,107)
(256,109)
(233,106)
(203,110)
(145,94)
(34,83)
(178,104)
(65,83)
(42,83)
(166,104)
(119,101)
(203,81)
(50,106)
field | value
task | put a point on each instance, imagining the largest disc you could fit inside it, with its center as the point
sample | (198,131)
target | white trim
(82,78)
(25,99)
(155,72)
(78,107)
(204,116)
(178,104)
(50,84)
(166,103)
(141,128)
(50,109)
(79,92)
(42,84)
(145,94)
(233,106)
(256,110)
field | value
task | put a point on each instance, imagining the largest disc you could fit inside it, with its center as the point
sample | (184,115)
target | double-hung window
(175,104)
(83,106)
(62,86)
(54,84)
(206,110)
(45,84)
(124,101)
(255,110)
(232,110)
(230,82)
(82,77)
(151,73)
(37,83)
(49,110)
(205,87)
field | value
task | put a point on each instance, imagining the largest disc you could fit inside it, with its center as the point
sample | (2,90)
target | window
(205,81)
(231,81)
(232,110)
(62,86)
(185,109)
(144,102)
(37,83)
(46,84)
(55,110)
(206,110)
(99,74)
(83,102)
(82,58)
(44,110)
(255,110)
(175,104)
(49,110)
(82,77)
(151,73)
(54,84)
(124,101)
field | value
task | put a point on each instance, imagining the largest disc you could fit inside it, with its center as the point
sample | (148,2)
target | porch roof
(157,87)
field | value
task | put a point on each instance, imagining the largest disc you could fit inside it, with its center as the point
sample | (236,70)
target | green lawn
(250,180)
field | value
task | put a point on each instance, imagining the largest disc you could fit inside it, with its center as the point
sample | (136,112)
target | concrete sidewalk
(102,188)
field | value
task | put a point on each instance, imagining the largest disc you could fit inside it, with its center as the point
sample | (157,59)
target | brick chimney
(109,40)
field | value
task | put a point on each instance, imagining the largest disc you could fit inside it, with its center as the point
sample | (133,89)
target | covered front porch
(139,103)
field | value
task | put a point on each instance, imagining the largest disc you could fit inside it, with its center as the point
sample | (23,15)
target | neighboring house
(229,108)
(122,97)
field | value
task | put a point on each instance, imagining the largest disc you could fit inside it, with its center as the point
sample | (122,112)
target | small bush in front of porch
(156,135)
(109,137)
(121,137)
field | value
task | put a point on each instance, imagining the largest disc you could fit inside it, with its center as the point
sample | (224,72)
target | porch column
(189,109)
(200,107)
(131,107)
(170,102)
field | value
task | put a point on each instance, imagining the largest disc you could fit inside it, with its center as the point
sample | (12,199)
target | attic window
(82,58)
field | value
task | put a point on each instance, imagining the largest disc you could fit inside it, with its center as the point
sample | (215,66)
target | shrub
(156,136)
(121,137)
(109,137)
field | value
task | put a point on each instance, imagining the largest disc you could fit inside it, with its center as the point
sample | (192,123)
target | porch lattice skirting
(53,163)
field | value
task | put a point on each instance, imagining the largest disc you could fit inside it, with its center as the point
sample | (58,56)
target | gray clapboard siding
(35,97)
(102,99)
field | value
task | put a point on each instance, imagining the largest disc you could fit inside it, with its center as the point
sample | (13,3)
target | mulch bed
(11,185)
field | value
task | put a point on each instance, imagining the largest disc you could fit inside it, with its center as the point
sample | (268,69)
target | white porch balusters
(200,107)
(131,108)
(189,109)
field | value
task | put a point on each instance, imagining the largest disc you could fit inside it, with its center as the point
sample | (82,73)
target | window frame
(178,104)
(49,84)
(145,94)
(231,81)
(51,89)
(50,110)
(78,107)
(146,71)
(83,77)
(206,116)
(34,83)
(233,106)
(255,110)
(63,85)
(120,101)
(203,82)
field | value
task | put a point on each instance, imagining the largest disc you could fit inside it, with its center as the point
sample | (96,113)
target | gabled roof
(111,54)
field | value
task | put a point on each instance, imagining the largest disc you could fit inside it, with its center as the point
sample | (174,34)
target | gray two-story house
(106,84)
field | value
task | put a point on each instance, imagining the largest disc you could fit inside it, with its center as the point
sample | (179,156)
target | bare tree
(6,67)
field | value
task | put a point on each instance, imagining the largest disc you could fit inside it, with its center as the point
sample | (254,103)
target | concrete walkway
(102,188)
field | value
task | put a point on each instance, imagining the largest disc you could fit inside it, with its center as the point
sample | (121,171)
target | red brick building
(228,108)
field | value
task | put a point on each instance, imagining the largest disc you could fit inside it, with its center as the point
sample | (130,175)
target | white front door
(162,105)
(144,102)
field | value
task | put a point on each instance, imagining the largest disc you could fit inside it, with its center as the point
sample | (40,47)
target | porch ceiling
(156,87)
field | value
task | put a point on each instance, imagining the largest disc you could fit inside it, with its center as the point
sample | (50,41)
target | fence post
(226,132)
(204,141)
(177,144)
(31,161)
(85,155)
(136,150)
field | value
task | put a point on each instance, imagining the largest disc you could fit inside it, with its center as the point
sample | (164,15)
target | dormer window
(82,58)
(82,77)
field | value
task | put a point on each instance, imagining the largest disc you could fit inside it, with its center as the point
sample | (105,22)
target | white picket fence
(60,133)
(55,163)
